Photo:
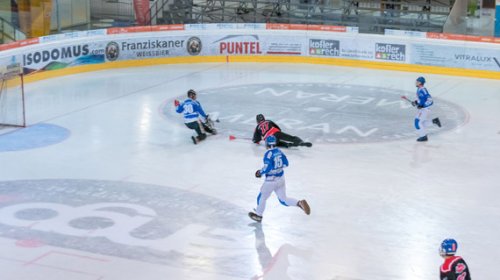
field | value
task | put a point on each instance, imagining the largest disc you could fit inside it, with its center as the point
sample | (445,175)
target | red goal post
(12,101)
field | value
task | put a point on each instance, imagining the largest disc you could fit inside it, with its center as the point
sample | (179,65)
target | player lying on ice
(266,128)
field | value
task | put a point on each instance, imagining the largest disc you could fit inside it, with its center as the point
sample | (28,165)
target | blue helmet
(421,80)
(448,247)
(271,140)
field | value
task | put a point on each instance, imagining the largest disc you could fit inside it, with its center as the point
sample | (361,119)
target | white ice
(379,211)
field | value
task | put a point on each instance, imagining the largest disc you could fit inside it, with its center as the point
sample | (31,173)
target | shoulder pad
(448,264)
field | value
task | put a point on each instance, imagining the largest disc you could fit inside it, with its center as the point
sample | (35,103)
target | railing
(123,10)
(9,33)
(369,16)
(157,11)
(111,13)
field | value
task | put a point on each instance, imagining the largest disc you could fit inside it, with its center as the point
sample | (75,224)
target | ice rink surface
(105,183)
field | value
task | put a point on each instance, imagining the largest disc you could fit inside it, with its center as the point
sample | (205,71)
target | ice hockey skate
(304,206)
(306,144)
(198,139)
(422,139)
(255,217)
(437,122)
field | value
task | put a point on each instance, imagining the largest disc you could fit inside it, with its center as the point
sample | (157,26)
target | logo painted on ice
(155,224)
(322,113)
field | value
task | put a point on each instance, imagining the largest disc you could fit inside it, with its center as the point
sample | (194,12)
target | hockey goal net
(12,108)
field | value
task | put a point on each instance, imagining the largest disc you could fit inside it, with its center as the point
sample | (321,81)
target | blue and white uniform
(424,102)
(192,111)
(424,98)
(274,163)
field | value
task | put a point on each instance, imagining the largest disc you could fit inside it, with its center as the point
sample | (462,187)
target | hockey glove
(176,103)
(257,174)
(414,103)
(419,107)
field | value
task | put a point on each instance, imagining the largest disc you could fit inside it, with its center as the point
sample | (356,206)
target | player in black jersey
(266,128)
(454,267)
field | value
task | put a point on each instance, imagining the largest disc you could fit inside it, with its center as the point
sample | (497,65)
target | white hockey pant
(421,121)
(276,184)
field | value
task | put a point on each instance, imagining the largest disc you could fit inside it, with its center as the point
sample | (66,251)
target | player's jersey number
(188,108)
(264,127)
(278,161)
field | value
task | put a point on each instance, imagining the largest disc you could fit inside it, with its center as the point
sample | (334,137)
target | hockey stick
(407,99)
(232,137)
(411,102)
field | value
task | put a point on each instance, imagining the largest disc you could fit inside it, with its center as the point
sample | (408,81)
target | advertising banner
(405,33)
(455,56)
(311,27)
(324,47)
(254,44)
(343,47)
(119,44)
(72,35)
(152,47)
(219,26)
(390,52)
(62,56)
(19,44)
(353,49)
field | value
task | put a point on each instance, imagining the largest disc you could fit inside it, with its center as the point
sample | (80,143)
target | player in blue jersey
(423,102)
(454,267)
(274,162)
(194,117)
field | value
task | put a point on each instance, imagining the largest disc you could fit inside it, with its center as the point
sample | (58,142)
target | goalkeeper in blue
(194,117)
(274,162)
(423,103)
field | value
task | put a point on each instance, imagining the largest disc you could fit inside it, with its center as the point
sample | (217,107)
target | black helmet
(260,118)
(191,93)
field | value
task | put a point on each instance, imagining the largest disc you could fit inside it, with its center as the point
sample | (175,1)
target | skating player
(454,267)
(274,162)
(266,128)
(194,117)
(423,102)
